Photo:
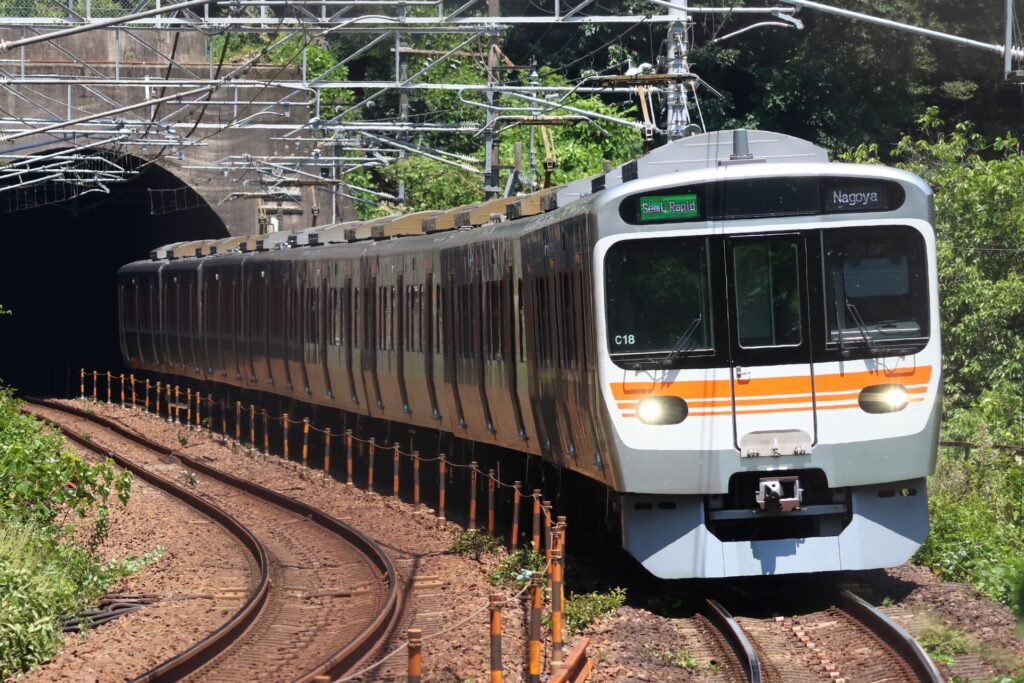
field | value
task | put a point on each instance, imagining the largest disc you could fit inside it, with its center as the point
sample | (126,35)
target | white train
(739,339)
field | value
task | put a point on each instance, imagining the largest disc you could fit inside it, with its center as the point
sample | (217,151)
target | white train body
(745,351)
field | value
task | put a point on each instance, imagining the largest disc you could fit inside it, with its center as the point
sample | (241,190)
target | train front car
(770,365)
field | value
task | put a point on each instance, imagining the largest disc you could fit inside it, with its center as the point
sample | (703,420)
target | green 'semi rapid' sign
(669,207)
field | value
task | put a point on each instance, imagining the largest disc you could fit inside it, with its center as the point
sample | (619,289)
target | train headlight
(884,398)
(661,410)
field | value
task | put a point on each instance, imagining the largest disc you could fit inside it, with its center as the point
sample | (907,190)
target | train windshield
(876,285)
(657,299)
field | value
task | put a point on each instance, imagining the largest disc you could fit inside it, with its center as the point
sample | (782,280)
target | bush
(584,609)
(975,537)
(42,580)
(474,543)
(45,573)
(512,566)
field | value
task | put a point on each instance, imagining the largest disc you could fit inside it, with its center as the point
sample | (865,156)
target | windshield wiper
(683,341)
(862,328)
(839,316)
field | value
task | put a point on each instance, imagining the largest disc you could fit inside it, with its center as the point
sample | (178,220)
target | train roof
(698,152)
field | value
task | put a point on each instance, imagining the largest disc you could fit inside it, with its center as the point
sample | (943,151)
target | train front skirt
(669,536)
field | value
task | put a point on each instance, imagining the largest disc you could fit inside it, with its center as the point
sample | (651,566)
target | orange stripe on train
(701,403)
(760,389)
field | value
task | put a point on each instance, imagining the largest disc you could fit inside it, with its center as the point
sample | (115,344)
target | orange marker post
(415,669)
(147,395)
(170,403)
(199,405)
(223,420)
(472,496)
(238,422)
(109,382)
(517,496)
(94,385)
(490,502)
(416,478)
(252,427)
(122,390)
(81,393)
(177,404)
(266,433)
(547,530)
(536,520)
(442,465)
(536,603)
(188,407)
(373,449)
(394,482)
(305,442)
(495,604)
(284,432)
(131,378)
(556,609)
(158,399)
(560,528)
(327,452)
(348,457)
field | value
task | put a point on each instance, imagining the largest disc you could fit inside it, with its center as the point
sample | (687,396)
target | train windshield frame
(652,284)
(661,296)
(875,282)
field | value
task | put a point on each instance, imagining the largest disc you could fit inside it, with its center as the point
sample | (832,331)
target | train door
(770,345)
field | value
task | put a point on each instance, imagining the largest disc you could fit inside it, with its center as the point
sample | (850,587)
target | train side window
(521,317)
(355,325)
(438,322)
(568,319)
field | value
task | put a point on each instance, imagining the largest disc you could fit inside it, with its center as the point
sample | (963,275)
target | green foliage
(474,544)
(512,566)
(977,503)
(41,580)
(39,480)
(188,478)
(183,438)
(679,656)
(45,573)
(584,609)
(943,645)
(975,533)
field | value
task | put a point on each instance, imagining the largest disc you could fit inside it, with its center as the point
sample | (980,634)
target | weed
(679,656)
(584,609)
(715,667)
(188,478)
(131,564)
(516,566)
(888,602)
(474,544)
(943,644)
(183,439)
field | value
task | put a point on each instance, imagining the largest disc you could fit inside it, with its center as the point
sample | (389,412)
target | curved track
(851,641)
(326,594)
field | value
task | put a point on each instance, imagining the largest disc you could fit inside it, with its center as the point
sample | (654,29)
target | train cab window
(876,290)
(657,300)
(766,279)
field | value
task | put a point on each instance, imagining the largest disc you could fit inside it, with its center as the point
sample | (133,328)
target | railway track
(848,641)
(325,597)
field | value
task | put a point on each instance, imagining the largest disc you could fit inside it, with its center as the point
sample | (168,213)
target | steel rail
(347,658)
(226,634)
(737,639)
(891,633)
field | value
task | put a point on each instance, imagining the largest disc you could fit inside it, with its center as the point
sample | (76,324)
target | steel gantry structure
(89,83)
